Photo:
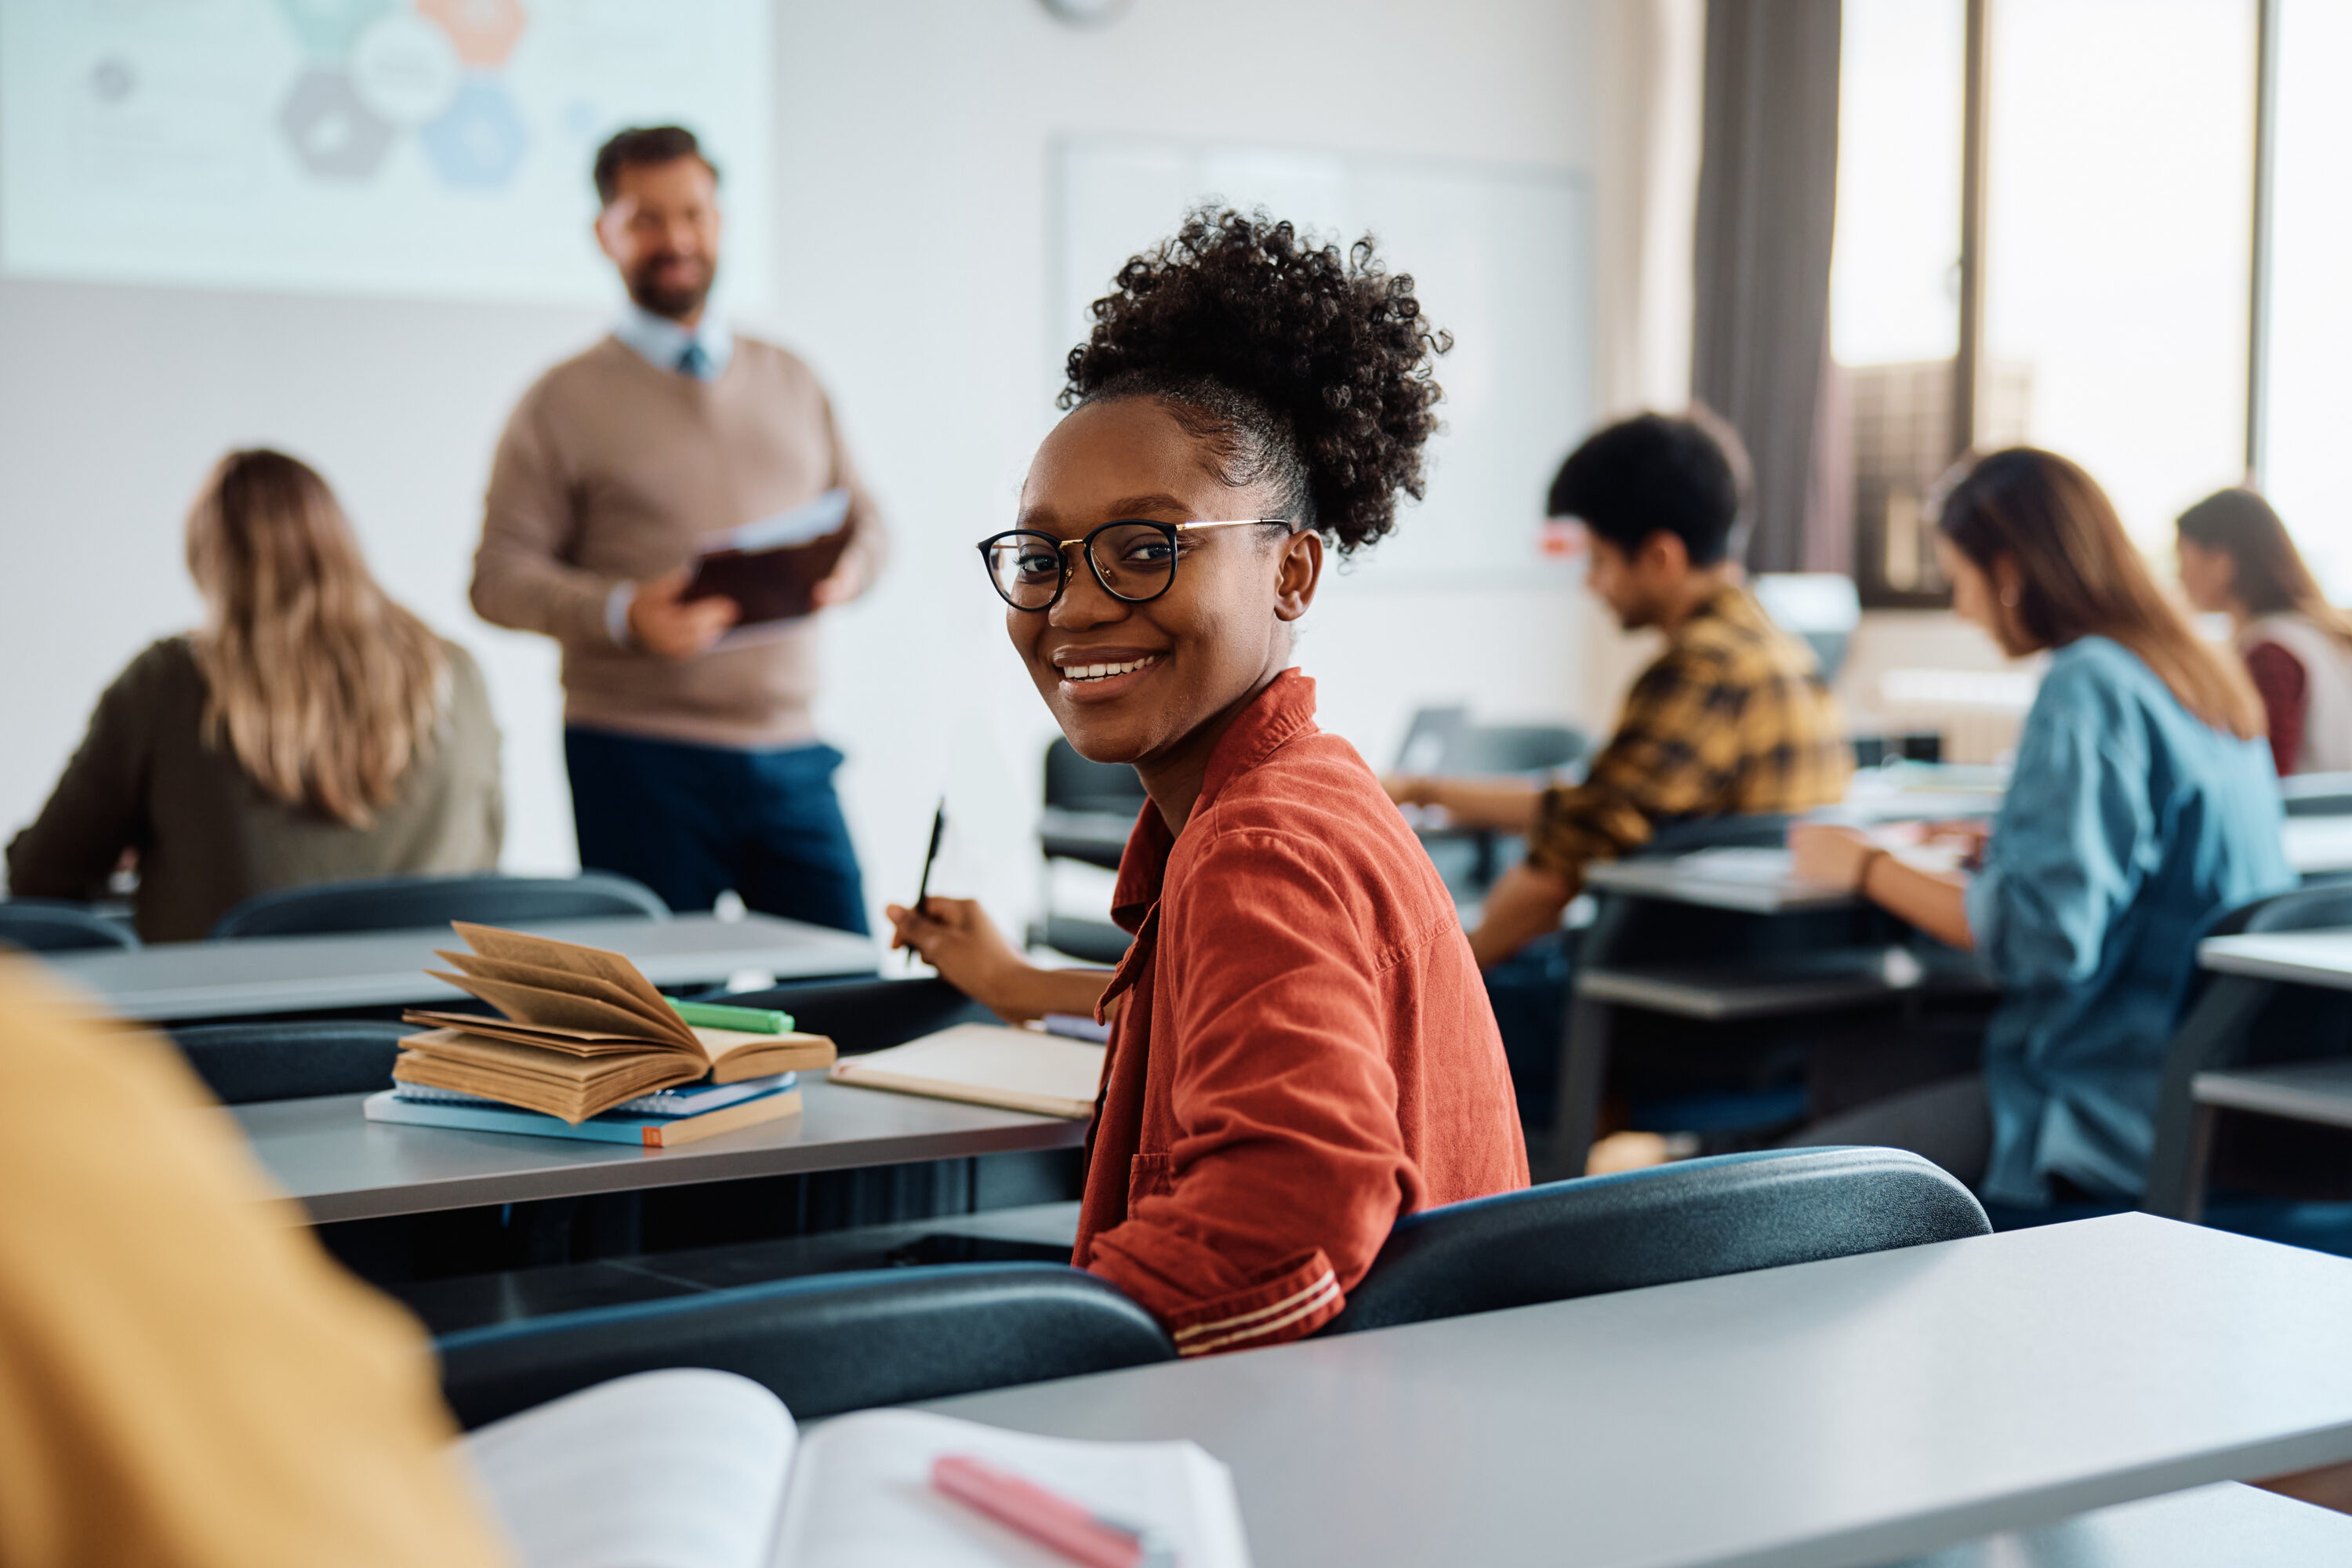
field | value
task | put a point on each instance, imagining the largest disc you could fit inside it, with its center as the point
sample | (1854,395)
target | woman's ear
(1296,574)
(2008,584)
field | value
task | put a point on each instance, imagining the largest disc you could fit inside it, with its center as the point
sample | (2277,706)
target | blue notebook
(686,1099)
(611,1127)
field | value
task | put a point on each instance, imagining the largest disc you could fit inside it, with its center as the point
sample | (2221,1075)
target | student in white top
(2236,559)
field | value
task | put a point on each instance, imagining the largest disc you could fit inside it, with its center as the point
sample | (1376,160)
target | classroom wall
(913,138)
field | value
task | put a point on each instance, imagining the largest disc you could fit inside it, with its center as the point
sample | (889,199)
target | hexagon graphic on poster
(328,28)
(332,131)
(484,30)
(406,69)
(480,140)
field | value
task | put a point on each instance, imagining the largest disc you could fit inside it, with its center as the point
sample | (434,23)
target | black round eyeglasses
(1133,559)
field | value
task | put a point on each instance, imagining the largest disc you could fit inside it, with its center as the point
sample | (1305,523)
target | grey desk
(1832,1414)
(1752,881)
(339,1165)
(192,980)
(2247,971)
(2319,845)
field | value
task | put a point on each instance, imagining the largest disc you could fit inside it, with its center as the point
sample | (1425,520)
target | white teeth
(1104,671)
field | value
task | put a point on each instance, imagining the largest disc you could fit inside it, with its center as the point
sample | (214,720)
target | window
(2119,202)
(2046,211)
(1895,273)
(2304,415)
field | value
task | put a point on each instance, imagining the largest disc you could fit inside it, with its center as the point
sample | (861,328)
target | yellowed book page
(522,948)
(520,1076)
(663,1023)
(736,1056)
(530,1004)
(571,1042)
(1016,1069)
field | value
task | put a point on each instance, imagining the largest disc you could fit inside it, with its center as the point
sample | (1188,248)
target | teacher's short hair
(645,144)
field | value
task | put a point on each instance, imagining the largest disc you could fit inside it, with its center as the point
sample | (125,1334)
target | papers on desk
(692,1468)
(1013,1069)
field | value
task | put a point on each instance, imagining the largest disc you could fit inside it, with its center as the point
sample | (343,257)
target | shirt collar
(661,341)
(1280,713)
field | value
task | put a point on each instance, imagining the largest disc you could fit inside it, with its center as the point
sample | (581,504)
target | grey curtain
(1766,203)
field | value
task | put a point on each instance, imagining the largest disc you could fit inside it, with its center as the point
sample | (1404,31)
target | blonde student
(310,730)
(185,1377)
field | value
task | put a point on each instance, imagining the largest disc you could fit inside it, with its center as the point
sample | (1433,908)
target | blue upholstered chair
(1656,1226)
(242,1063)
(825,1344)
(54,925)
(399,903)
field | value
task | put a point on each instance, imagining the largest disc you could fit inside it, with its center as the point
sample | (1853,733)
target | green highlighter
(715,1016)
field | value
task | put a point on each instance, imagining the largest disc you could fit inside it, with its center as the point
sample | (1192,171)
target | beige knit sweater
(609,471)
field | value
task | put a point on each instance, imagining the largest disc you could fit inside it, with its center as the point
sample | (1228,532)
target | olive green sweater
(208,836)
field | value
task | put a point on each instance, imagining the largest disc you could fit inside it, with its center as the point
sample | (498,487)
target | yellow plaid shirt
(1731,720)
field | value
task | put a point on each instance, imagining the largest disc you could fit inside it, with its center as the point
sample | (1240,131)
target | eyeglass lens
(1134,561)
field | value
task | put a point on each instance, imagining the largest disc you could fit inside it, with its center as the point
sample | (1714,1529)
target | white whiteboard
(439,148)
(1500,257)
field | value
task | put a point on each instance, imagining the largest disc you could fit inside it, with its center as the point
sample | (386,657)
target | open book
(584,1031)
(984,1064)
(691,1469)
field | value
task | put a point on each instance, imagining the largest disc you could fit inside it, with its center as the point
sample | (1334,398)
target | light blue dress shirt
(664,343)
(2129,828)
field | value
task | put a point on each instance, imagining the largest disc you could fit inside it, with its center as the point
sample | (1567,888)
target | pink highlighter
(1072,1529)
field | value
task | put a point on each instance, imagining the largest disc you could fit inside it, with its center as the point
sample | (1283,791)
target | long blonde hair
(2080,576)
(322,688)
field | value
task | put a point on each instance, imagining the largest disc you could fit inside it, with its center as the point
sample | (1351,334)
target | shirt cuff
(616,613)
(1289,1302)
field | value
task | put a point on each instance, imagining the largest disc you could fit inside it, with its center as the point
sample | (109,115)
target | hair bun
(1332,345)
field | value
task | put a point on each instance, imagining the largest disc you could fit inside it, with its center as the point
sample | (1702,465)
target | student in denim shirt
(2142,808)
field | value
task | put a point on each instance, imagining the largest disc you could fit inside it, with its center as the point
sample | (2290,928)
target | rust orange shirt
(1303,1050)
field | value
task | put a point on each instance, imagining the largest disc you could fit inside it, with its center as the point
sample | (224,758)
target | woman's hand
(1829,855)
(956,937)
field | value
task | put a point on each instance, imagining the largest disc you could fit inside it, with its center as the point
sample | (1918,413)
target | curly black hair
(1298,364)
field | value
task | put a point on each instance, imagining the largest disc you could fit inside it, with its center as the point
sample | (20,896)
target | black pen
(930,858)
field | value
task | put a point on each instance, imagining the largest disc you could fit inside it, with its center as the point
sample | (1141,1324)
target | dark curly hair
(1300,367)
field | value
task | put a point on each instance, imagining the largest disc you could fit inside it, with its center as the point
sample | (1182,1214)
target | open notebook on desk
(692,1468)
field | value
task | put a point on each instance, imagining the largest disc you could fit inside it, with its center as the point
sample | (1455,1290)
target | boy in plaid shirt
(1731,720)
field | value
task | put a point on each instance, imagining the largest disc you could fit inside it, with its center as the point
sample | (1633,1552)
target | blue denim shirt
(2130,827)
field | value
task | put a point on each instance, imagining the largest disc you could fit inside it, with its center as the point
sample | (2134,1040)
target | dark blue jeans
(690,822)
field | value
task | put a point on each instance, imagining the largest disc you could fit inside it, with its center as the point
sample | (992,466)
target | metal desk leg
(1583,1067)
(2209,1038)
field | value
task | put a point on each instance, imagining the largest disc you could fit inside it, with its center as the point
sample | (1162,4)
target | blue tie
(694,362)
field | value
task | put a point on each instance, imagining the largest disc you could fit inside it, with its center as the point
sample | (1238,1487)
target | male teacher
(695,767)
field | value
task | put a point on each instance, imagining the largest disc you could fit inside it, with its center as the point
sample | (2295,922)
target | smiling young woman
(1302,1050)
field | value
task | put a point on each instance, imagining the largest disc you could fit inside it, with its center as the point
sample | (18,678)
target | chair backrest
(1494,749)
(824,1345)
(402,903)
(53,925)
(1694,1220)
(1074,783)
(867,1014)
(242,1063)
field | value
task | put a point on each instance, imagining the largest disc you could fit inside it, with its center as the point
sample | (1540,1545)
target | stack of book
(587,1048)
